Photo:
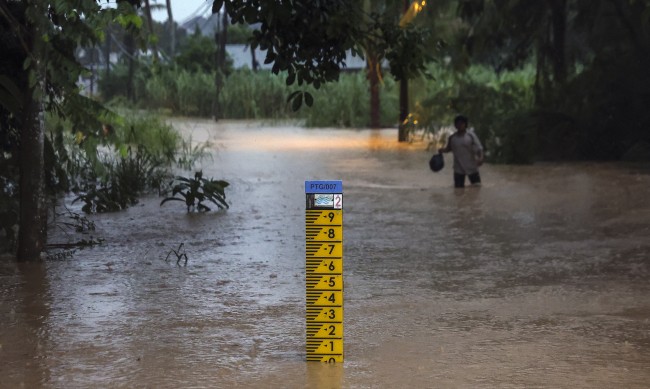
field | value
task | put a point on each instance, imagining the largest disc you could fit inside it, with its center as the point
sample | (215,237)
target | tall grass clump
(181,92)
(196,93)
(346,103)
(150,132)
(255,95)
(109,169)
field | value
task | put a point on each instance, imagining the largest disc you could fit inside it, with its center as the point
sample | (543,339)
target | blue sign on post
(323,186)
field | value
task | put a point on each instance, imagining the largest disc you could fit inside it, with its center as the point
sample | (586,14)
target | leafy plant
(198,190)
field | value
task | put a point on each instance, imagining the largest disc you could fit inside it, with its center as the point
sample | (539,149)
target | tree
(310,40)
(47,35)
(508,33)
(589,55)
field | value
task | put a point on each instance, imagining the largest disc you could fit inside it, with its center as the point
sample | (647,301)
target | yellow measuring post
(324,270)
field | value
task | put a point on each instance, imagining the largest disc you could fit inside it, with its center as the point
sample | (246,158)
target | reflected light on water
(281,139)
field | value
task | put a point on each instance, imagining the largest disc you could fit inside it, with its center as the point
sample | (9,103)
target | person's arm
(447,148)
(479,157)
(479,149)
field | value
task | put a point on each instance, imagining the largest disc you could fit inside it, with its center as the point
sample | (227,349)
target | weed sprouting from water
(179,253)
(76,222)
(190,154)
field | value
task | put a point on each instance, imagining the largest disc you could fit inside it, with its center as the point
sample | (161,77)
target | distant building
(241,57)
(241,54)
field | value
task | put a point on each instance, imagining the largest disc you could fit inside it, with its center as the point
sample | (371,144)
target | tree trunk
(558,21)
(172,29)
(254,63)
(107,53)
(130,50)
(403,96)
(221,37)
(33,216)
(223,40)
(373,78)
(403,109)
(154,46)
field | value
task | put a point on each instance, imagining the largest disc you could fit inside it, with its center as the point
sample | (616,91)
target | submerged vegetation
(196,192)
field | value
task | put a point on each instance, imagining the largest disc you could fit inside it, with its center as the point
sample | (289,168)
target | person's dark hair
(461,118)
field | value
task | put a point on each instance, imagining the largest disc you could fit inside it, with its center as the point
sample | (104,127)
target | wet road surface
(540,278)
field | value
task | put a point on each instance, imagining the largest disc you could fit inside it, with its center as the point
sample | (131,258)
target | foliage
(495,104)
(169,89)
(78,223)
(148,132)
(197,54)
(108,171)
(239,34)
(40,74)
(309,41)
(591,78)
(126,178)
(189,153)
(345,103)
(249,95)
(198,190)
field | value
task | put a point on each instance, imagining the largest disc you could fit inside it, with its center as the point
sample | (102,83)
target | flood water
(539,278)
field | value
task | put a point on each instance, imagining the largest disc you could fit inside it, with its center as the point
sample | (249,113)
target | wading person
(468,153)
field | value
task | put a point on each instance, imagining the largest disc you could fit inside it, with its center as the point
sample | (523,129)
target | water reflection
(24,332)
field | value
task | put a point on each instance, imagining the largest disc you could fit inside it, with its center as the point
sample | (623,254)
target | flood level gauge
(324,270)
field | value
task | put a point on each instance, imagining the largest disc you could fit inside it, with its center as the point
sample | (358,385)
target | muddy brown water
(540,278)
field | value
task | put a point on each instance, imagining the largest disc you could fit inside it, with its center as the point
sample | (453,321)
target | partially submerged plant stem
(179,255)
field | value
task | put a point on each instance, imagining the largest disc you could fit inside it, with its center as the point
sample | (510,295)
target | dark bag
(437,162)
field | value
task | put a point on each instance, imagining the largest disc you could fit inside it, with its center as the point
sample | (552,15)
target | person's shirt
(465,147)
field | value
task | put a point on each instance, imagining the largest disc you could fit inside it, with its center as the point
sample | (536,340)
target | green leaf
(292,95)
(297,102)
(291,78)
(126,20)
(309,100)
(170,199)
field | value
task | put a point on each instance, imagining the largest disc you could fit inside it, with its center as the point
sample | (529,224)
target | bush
(498,107)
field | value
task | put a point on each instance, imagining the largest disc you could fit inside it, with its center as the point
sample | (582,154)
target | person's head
(460,122)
